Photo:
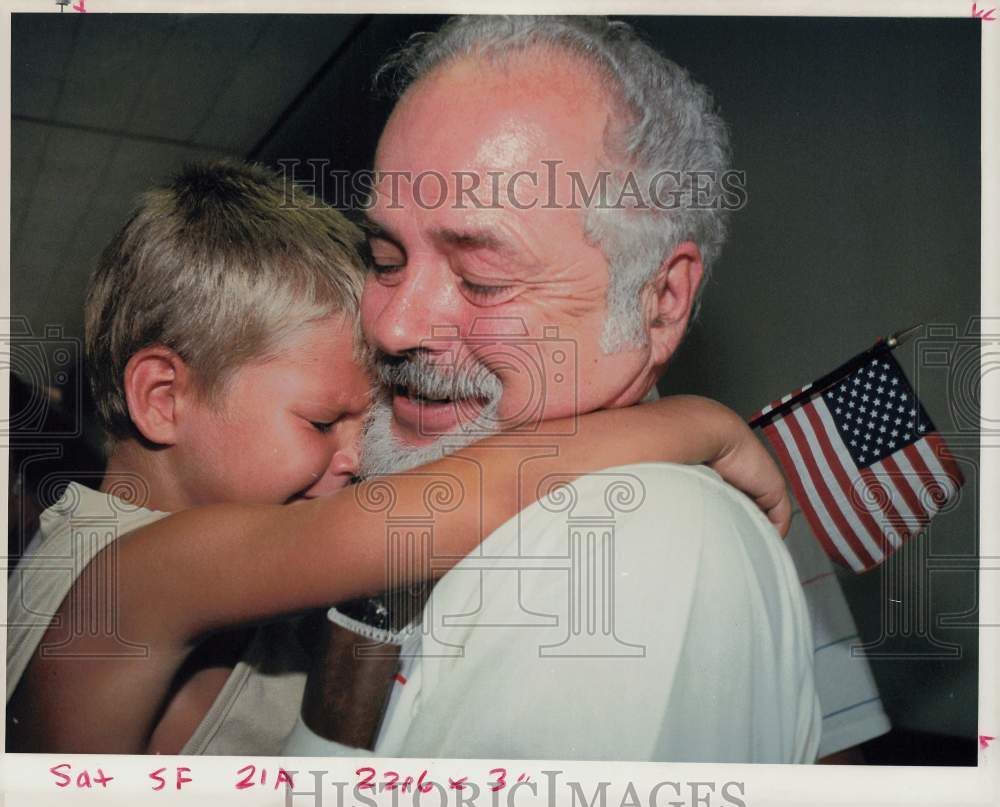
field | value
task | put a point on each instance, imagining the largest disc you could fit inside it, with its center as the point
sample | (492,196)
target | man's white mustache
(382,451)
(432,379)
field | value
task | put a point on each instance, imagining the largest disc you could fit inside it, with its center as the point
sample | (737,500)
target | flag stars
(875,411)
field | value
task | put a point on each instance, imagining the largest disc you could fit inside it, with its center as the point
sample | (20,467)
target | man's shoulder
(660,485)
(665,524)
(637,573)
(652,501)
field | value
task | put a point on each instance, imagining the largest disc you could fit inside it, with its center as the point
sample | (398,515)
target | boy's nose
(345,462)
(338,474)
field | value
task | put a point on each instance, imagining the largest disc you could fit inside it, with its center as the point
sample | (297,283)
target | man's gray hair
(665,122)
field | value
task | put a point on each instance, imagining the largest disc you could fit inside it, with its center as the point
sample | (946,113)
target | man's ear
(674,291)
(156,380)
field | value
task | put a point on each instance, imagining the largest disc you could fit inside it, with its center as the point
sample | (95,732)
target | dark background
(860,143)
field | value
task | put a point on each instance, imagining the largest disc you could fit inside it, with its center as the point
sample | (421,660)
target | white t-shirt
(257,706)
(648,612)
(848,695)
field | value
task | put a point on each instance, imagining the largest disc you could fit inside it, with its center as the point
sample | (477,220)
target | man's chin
(389,447)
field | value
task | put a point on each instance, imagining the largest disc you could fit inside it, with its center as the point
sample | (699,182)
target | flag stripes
(864,462)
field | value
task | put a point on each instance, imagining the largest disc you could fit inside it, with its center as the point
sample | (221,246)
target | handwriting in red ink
(82,8)
(980,13)
(501,781)
(392,780)
(248,776)
(984,741)
(372,779)
(84,779)
(179,779)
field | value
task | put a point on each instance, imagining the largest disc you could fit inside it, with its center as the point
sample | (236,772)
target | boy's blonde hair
(220,265)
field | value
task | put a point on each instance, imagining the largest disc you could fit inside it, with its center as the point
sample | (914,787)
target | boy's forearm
(224,565)
(267,561)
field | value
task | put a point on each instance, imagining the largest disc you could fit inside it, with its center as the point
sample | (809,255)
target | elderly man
(549,202)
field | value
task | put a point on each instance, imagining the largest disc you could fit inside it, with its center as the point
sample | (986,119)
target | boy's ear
(156,381)
(674,291)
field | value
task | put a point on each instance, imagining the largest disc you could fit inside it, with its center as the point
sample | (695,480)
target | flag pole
(899,337)
(831,378)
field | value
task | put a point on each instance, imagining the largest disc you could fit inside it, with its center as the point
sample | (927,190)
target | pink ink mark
(984,741)
(82,8)
(501,781)
(400,677)
(983,14)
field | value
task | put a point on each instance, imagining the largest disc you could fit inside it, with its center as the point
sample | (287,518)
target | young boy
(222,339)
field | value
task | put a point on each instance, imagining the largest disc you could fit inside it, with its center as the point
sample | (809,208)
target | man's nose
(405,315)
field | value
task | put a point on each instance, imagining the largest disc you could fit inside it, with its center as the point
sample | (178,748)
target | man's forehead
(451,142)
(474,116)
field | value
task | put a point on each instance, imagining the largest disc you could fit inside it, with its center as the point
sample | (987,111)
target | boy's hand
(745,464)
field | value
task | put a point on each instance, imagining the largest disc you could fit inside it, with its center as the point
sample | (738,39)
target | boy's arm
(220,566)
(230,564)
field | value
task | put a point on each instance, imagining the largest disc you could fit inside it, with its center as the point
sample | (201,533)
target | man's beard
(382,452)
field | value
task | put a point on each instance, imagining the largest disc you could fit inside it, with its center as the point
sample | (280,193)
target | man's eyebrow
(372,229)
(474,239)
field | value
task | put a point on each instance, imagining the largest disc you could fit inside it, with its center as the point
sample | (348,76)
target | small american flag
(864,460)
